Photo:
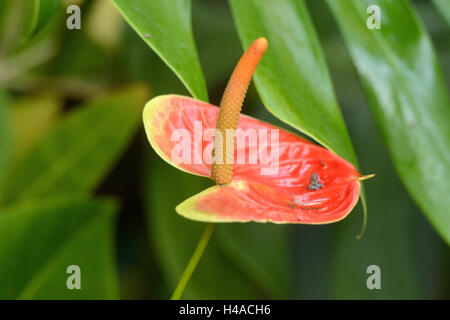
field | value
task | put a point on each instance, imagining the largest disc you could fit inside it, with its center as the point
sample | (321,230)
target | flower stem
(193,262)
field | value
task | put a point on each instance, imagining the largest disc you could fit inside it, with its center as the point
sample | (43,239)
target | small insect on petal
(250,196)
(315,182)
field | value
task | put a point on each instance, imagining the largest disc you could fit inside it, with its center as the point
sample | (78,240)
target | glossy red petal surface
(283,197)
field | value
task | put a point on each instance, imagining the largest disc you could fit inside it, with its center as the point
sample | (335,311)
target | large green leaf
(444,8)
(79,151)
(40,239)
(218,52)
(388,239)
(166,27)
(292,78)
(243,261)
(398,239)
(402,79)
(46,9)
(5,134)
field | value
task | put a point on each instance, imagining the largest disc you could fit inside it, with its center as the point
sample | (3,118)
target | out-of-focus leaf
(218,50)
(246,267)
(261,252)
(5,134)
(40,239)
(443,7)
(389,238)
(394,239)
(32,117)
(46,9)
(401,76)
(80,150)
(18,19)
(88,62)
(21,20)
(218,44)
(17,58)
(18,64)
(292,78)
(166,27)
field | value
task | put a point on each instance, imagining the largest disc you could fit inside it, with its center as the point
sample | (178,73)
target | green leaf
(403,81)
(104,24)
(21,20)
(240,262)
(80,150)
(32,117)
(46,10)
(166,27)
(443,6)
(261,252)
(388,239)
(292,78)
(17,21)
(142,64)
(40,239)
(218,51)
(5,135)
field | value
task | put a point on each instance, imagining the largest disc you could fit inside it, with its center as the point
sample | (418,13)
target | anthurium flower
(291,181)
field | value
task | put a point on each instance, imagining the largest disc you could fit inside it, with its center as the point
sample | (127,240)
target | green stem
(193,262)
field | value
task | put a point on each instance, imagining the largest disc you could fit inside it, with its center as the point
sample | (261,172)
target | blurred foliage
(69,111)
(5,134)
(41,238)
(31,119)
(77,153)
(444,8)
